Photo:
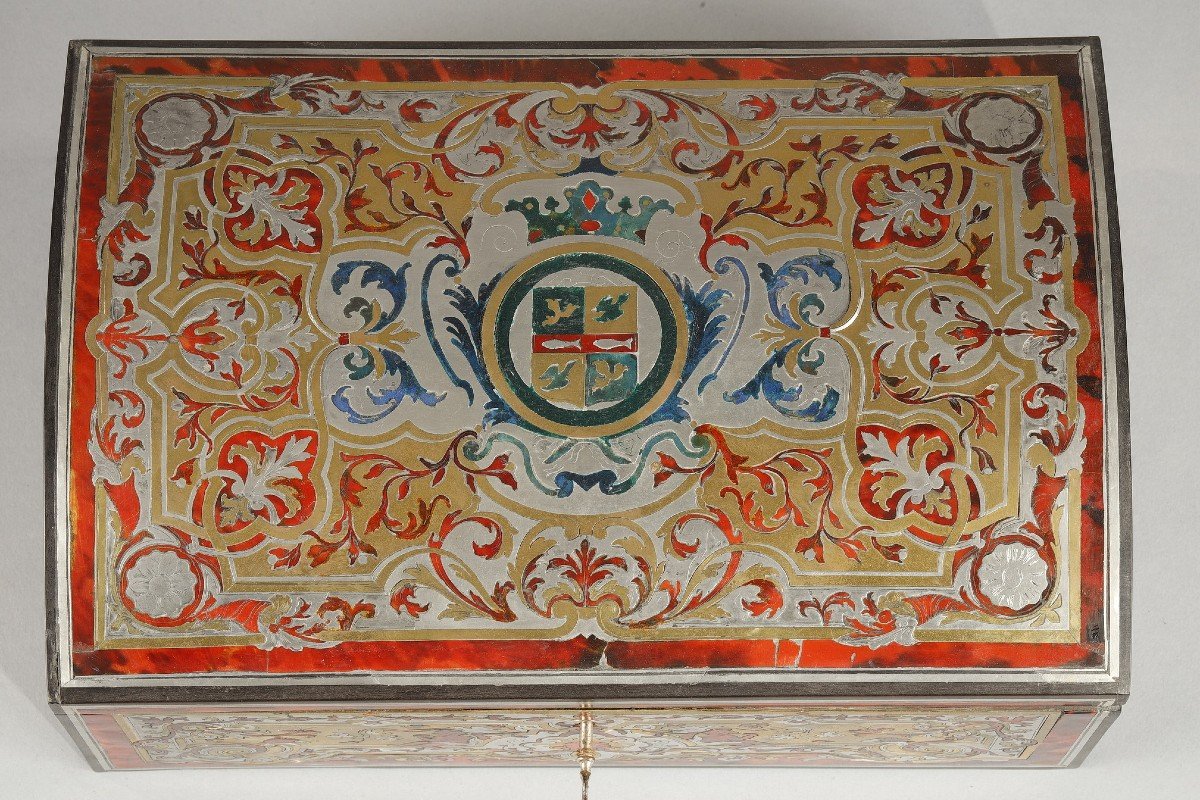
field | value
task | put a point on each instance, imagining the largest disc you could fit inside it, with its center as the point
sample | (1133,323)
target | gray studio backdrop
(1151,62)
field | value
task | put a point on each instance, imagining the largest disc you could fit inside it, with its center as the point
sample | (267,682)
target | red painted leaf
(769,599)
(928,606)
(404,601)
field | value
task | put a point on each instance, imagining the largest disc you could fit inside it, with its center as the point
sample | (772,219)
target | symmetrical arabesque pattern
(648,361)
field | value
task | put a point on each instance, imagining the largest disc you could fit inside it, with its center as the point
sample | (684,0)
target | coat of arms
(585,344)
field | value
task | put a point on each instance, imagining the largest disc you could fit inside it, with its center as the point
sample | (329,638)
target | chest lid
(605,372)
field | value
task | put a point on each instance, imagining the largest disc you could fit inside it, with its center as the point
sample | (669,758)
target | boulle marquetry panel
(570,374)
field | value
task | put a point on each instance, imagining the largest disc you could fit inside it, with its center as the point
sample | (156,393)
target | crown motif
(587,213)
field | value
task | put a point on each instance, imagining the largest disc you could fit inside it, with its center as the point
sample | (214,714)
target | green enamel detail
(610,377)
(558,310)
(587,213)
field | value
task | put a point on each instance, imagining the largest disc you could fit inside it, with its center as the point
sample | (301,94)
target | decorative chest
(759,405)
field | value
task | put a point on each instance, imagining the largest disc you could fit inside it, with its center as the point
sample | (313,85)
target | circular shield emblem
(584,343)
